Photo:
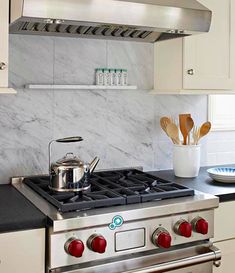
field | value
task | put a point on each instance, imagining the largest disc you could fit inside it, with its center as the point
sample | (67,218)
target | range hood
(133,20)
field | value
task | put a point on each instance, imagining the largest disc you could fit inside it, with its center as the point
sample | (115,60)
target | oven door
(197,259)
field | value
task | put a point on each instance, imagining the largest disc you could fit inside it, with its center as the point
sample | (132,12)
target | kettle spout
(93,164)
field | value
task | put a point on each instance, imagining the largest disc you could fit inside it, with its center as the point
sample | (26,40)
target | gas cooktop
(110,188)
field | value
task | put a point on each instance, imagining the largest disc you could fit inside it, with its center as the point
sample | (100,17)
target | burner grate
(110,188)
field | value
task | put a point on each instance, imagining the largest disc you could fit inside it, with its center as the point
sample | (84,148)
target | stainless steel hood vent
(133,20)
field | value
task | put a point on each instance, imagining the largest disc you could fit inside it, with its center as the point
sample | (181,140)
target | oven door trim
(214,255)
(204,255)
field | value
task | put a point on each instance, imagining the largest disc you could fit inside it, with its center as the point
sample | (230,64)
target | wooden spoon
(173,132)
(183,129)
(164,121)
(204,130)
(189,127)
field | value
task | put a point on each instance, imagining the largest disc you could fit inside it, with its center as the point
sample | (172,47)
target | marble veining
(136,57)
(75,60)
(31,60)
(119,126)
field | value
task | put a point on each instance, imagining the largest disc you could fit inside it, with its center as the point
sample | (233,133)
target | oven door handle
(213,255)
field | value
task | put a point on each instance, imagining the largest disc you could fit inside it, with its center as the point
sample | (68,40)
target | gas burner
(110,188)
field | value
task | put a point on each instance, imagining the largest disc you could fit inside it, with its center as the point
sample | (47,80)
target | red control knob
(162,238)
(97,243)
(183,228)
(201,226)
(74,247)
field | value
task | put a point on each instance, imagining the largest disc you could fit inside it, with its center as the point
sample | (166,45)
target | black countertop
(17,213)
(225,192)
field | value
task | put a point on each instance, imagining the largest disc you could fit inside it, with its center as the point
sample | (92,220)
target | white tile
(225,158)
(121,127)
(31,60)
(220,146)
(163,155)
(22,162)
(211,159)
(136,57)
(130,128)
(26,120)
(222,136)
(81,113)
(77,59)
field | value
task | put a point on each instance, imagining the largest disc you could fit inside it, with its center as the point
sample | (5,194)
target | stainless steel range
(129,221)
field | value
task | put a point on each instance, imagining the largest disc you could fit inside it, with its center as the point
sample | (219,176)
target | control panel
(122,237)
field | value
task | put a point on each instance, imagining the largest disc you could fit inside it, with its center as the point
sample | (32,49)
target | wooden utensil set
(186,127)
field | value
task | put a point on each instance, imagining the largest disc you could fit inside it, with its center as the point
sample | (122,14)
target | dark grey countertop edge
(203,183)
(17,213)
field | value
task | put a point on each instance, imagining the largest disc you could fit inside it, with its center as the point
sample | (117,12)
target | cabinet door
(224,224)
(211,56)
(228,253)
(23,251)
(4,25)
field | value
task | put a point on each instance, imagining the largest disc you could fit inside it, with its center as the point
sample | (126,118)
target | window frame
(217,126)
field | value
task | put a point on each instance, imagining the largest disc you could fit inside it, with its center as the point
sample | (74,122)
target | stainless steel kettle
(70,174)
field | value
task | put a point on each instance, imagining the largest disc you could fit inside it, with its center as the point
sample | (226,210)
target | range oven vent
(133,20)
(102,31)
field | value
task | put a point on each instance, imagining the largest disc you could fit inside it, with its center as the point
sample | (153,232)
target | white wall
(221,148)
(121,127)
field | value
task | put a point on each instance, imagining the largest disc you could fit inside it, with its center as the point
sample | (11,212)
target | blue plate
(222,174)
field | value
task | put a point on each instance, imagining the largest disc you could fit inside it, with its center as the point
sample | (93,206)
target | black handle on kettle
(62,140)
(69,139)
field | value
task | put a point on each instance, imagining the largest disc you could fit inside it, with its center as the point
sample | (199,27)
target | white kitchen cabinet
(228,253)
(203,63)
(22,251)
(224,237)
(4,38)
(224,222)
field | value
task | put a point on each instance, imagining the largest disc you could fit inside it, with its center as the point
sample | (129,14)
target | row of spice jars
(111,76)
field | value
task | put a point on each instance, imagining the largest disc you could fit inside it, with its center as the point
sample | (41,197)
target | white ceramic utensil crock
(186,160)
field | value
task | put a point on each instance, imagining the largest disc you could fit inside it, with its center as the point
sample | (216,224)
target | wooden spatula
(183,129)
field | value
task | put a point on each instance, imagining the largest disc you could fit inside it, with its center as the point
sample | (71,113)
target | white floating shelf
(76,87)
(6,90)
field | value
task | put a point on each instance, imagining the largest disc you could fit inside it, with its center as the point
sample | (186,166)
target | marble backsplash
(121,127)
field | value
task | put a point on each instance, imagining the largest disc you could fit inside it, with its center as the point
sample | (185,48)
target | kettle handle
(62,140)
(69,139)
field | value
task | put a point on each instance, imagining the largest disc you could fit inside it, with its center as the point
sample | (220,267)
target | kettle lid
(70,160)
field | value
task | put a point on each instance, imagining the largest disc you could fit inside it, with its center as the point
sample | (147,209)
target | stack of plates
(222,174)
